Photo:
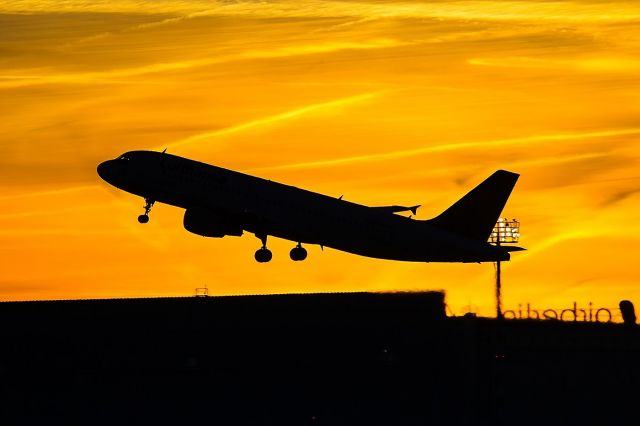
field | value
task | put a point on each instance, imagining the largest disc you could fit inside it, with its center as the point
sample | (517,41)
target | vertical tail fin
(475,214)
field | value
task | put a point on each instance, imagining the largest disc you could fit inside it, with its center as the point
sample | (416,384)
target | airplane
(219,202)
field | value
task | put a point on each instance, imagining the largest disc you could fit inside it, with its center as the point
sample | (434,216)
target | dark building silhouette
(326,359)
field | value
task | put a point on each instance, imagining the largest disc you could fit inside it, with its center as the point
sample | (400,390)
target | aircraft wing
(396,209)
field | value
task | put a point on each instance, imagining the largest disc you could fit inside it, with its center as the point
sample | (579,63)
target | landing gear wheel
(148,203)
(263,255)
(298,253)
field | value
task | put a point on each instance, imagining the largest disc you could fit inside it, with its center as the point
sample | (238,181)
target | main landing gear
(298,253)
(263,255)
(144,218)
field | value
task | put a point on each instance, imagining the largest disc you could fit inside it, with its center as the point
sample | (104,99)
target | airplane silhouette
(221,202)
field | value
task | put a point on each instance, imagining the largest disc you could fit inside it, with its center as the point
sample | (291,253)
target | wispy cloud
(603,64)
(18,79)
(137,27)
(52,192)
(620,196)
(557,11)
(114,76)
(277,118)
(455,147)
(51,211)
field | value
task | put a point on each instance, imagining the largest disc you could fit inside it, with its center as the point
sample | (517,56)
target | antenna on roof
(202,291)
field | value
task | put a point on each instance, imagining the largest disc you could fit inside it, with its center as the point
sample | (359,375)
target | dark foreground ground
(333,359)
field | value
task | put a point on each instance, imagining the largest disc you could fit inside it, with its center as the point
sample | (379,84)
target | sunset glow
(382,102)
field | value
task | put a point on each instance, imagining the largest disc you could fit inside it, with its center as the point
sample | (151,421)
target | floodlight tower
(506,231)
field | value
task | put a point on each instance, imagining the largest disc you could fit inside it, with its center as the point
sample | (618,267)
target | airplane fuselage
(262,207)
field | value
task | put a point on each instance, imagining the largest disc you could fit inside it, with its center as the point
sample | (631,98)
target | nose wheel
(298,253)
(144,218)
(263,255)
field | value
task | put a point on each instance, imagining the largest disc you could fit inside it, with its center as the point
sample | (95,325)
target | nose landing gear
(263,255)
(144,218)
(298,253)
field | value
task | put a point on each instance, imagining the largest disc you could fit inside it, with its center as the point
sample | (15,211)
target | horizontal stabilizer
(512,248)
(475,215)
(397,209)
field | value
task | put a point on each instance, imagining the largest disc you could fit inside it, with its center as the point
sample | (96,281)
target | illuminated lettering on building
(571,314)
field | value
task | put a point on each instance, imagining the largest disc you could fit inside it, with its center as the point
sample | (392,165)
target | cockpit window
(123,157)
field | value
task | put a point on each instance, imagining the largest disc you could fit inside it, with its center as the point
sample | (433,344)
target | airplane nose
(103,170)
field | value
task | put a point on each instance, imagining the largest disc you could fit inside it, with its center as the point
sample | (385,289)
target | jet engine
(211,224)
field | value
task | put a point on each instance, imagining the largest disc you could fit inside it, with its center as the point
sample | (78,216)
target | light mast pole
(505,232)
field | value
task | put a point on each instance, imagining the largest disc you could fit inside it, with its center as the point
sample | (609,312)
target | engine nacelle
(211,224)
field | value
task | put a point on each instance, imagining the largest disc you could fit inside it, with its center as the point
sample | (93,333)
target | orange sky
(384,102)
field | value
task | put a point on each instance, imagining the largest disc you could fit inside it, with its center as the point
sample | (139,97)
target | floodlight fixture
(506,231)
